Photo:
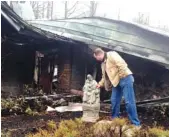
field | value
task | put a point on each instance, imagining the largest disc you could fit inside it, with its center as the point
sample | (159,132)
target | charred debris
(38,63)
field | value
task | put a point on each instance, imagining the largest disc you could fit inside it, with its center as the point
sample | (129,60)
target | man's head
(99,54)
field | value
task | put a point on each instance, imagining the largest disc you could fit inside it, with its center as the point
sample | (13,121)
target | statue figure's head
(89,77)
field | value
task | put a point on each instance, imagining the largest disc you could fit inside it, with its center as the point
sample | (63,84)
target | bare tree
(70,11)
(33,4)
(66,10)
(49,9)
(163,27)
(45,9)
(145,20)
(118,17)
(142,19)
(11,5)
(93,7)
(104,15)
(42,9)
(36,8)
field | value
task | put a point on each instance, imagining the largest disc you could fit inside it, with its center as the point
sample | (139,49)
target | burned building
(33,56)
(58,54)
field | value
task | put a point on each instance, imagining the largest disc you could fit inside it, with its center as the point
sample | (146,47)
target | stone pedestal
(91,112)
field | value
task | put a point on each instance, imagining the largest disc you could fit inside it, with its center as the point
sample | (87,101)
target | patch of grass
(51,125)
(41,133)
(29,111)
(140,133)
(72,128)
(152,132)
(5,134)
(66,128)
(158,132)
(114,128)
(104,128)
(7,103)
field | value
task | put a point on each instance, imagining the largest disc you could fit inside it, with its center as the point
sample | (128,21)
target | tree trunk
(51,10)
(93,6)
(43,10)
(37,11)
(11,5)
(66,10)
(48,10)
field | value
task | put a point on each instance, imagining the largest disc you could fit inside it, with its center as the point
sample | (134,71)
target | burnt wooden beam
(57,96)
(161,100)
(76,92)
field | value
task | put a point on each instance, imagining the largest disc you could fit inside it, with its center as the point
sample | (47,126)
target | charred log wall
(17,67)
(79,64)
(73,67)
(64,68)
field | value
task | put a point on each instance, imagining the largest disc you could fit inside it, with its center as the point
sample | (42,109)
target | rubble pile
(147,89)
(151,92)
(156,115)
(30,106)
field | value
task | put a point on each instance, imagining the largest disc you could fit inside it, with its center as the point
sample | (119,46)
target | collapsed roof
(121,36)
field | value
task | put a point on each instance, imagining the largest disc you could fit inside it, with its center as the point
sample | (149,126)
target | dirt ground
(20,125)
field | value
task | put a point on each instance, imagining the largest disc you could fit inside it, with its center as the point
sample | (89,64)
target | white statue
(91,93)
(91,100)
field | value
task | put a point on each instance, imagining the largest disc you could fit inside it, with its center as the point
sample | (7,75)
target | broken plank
(57,96)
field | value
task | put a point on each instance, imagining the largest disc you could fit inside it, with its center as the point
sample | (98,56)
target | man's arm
(101,82)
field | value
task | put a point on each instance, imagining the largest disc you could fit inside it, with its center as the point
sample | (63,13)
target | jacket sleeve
(101,82)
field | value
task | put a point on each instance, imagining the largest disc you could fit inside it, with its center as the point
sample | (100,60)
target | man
(117,75)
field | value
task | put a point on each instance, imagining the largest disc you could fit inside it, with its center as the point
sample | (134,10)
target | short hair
(97,51)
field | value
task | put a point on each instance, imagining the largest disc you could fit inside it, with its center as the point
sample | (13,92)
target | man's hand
(98,86)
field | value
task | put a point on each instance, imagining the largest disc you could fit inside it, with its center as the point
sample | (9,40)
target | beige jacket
(113,69)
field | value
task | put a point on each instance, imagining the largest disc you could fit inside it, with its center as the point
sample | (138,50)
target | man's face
(99,57)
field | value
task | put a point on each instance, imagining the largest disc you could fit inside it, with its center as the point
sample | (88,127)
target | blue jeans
(125,88)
